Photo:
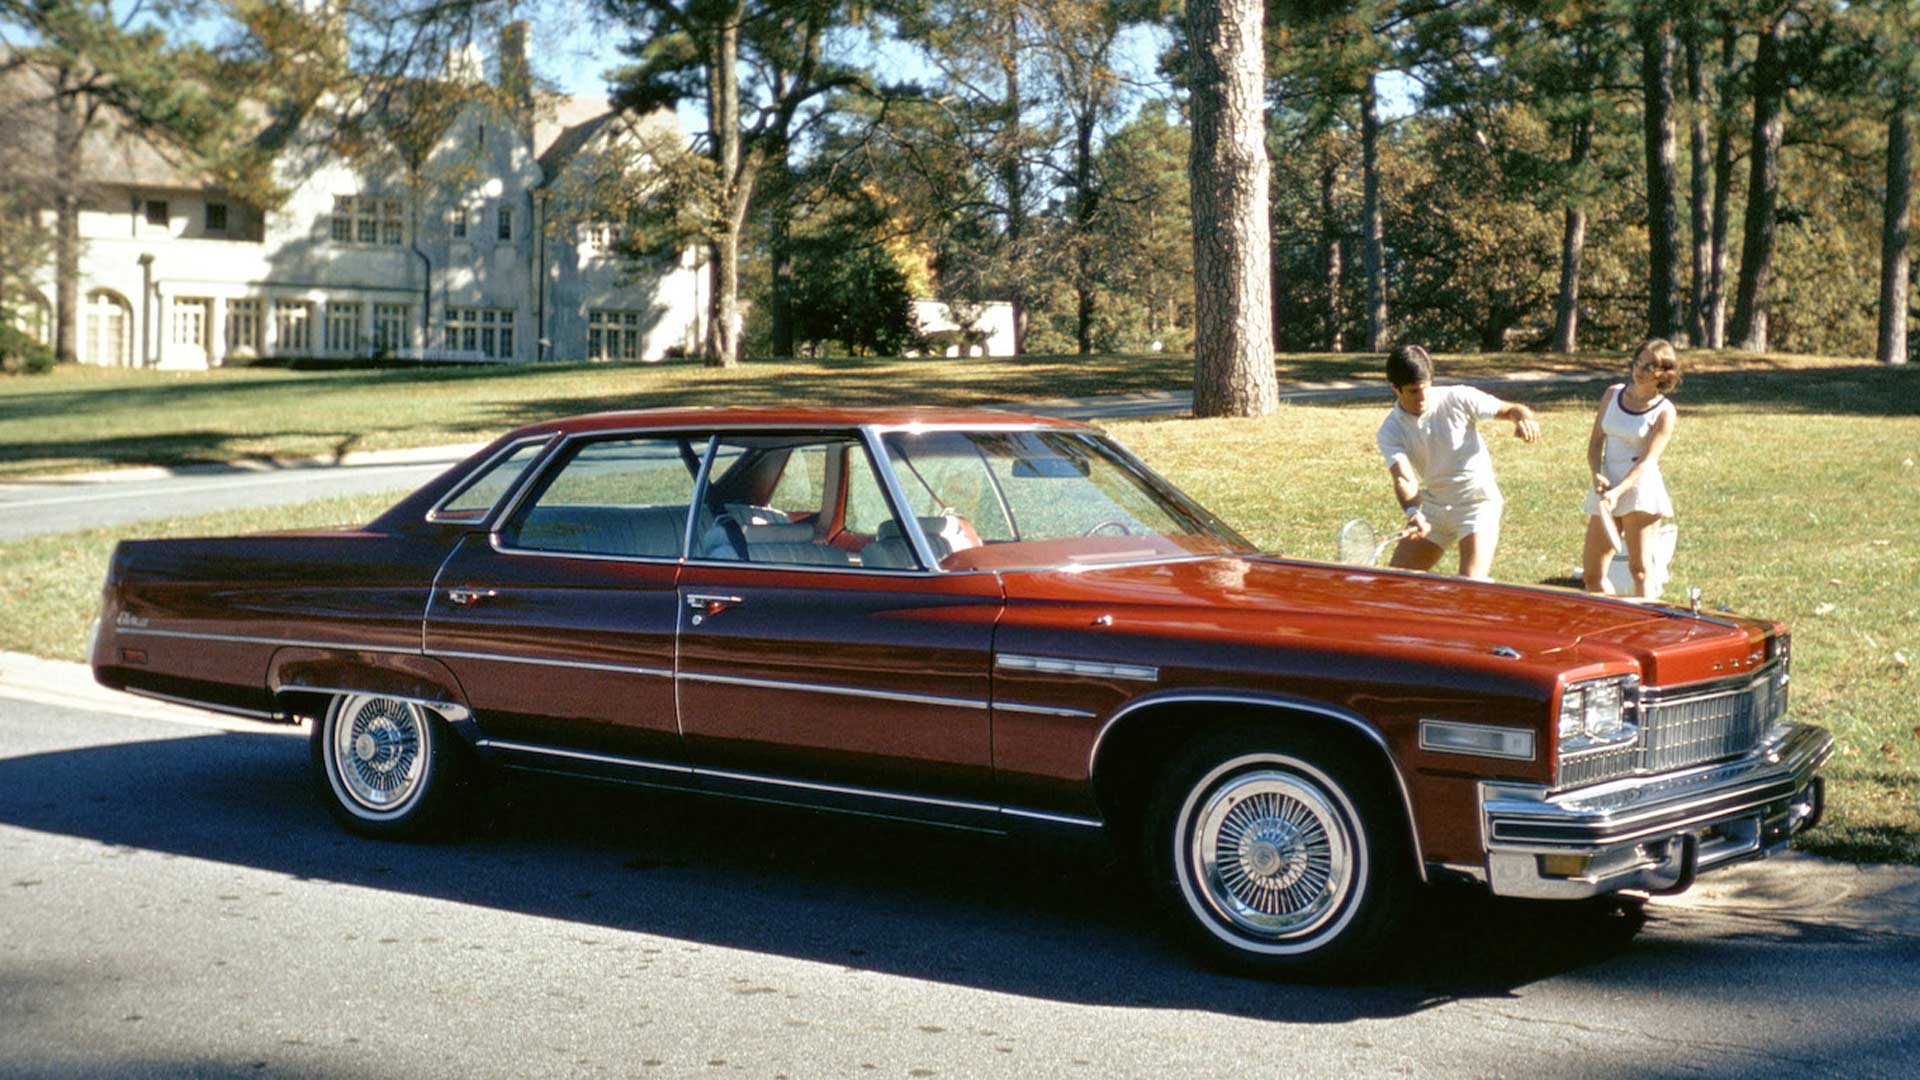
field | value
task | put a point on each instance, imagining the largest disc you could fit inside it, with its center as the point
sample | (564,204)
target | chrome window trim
(844,691)
(1275,701)
(249,639)
(584,665)
(507,497)
(897,495)
(448,710)
(1063,666)
(822,568)
(493,541)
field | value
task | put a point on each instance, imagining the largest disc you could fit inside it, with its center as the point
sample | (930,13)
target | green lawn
(81,418)
(1795,491)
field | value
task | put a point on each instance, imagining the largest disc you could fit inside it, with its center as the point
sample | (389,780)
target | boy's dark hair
(1409,365)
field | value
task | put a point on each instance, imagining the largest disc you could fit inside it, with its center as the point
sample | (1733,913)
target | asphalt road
(175,902)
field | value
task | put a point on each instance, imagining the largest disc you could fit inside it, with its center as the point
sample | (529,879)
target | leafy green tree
(90,65)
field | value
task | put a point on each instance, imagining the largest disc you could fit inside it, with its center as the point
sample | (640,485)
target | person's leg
(1480,535)
(1637,530)
(1411,554)
(1595,557)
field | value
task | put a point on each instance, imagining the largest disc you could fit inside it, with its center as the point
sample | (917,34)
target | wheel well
(298,704)
(1143,742)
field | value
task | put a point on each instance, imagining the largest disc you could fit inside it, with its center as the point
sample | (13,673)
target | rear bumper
(1652,833)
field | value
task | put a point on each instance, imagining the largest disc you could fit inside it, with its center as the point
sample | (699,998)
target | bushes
(22,355)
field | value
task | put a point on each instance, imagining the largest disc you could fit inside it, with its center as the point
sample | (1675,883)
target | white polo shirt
(1443,446)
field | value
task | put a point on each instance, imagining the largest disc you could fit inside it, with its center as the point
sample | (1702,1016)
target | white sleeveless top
(1627,434)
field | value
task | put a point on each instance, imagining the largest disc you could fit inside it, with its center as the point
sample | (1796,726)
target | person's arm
(1406,488)
(1525,427)
(1656,442)
(1597,442)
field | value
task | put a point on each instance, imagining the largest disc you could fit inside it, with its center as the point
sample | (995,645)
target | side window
(944,474)
(799,501)
(476,499)
(625,496)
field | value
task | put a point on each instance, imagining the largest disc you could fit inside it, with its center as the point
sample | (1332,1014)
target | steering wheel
(1125,527)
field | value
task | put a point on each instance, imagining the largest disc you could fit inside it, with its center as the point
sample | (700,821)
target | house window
(615,335)
(367,219)
(605,235)
(216,217)
(389,327)
(108,342)
(157,212)
(343,327)
(506,223)
(459,220)
(484,332)
(190,322)
(243,325)
(293,326)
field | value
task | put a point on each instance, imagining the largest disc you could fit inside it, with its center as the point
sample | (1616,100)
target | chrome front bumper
(1652,832)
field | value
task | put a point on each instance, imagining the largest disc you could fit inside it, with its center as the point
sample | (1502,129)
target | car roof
(795,417)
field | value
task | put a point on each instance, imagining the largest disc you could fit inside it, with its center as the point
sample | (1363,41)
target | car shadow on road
(1016,917)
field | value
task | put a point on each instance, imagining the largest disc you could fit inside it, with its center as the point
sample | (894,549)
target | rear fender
(302,680)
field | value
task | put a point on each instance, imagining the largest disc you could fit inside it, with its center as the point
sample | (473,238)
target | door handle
(706,604)
(469,597)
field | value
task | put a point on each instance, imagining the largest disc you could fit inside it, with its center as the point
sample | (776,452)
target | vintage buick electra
(989,621)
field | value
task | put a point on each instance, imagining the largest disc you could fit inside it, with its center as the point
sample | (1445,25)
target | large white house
(458,257)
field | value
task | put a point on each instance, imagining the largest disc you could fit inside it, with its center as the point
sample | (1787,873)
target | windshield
(1001,500)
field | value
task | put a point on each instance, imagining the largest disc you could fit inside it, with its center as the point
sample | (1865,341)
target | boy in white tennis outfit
(1441,471)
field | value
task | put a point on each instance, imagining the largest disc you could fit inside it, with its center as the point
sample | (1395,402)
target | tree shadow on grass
(1864,390)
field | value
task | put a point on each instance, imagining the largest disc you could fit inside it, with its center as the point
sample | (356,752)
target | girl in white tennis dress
(1630,431)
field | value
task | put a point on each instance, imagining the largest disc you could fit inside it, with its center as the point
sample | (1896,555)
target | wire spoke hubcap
(378,750)
(1271,854)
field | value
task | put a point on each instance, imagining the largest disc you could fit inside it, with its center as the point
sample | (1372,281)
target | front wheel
(387,767)
(1278,857)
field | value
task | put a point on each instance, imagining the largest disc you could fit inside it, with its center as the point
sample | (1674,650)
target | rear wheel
(1278,857)
(387,767)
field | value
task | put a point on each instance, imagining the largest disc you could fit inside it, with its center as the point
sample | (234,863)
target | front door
(816,653)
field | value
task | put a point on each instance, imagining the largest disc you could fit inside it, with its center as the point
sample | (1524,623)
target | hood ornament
(1693,599)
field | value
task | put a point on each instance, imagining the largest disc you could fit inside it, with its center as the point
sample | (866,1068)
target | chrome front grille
(1692,726)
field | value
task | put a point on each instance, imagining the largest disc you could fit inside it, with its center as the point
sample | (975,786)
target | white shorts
(1453,521)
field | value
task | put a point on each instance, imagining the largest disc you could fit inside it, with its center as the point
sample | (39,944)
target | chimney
(516,76)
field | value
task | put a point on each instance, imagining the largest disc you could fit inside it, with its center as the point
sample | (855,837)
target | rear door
(560,623)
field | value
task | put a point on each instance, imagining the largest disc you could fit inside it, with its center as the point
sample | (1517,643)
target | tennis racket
(1360,544)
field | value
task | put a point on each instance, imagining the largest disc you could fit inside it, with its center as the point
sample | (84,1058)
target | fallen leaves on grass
(1823,609)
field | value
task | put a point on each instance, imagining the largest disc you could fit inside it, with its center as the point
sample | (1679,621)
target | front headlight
(1598,713)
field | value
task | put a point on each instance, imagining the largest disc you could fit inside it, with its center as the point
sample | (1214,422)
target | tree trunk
(1763,192)
(1375,254)
(780,259)
(1698,175)
(723,119)
(1333,270)
(1228,170)
(1722,200)
(1894,236)
(1084,207)
(1663,225)
(69,128)
(1573,244)
(1013,178)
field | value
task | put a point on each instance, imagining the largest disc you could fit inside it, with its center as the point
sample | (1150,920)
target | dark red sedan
(989,621)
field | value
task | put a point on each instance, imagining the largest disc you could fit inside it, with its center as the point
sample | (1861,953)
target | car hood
(1306,600)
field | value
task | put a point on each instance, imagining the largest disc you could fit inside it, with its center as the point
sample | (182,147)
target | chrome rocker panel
(1653,833)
